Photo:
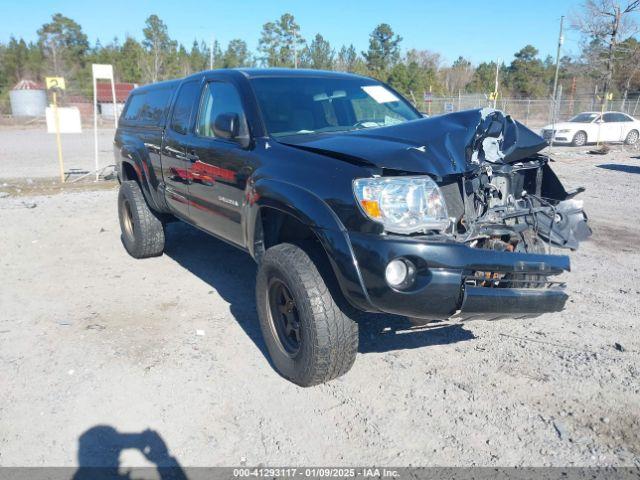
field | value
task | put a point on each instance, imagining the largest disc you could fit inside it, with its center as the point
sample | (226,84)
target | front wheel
(310,340)
(579,139)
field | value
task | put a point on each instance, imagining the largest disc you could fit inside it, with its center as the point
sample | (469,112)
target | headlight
(563,131)
(402,204)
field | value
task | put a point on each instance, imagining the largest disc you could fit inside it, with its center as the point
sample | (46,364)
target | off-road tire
(142,230)
(329,338)
(579,139)
(632,138)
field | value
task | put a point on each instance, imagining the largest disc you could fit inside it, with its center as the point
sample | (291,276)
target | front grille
(547,134)
(510,280)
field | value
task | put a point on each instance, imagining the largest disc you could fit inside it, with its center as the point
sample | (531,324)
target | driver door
(219,167)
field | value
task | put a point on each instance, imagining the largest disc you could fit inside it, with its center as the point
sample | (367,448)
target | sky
(477,30)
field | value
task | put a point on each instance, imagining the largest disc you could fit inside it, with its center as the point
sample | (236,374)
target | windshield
(584,118)
(305,105)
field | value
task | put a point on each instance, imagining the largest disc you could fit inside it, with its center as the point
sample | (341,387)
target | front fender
(312,211)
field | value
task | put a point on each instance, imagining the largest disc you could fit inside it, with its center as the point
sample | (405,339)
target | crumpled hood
(445,145)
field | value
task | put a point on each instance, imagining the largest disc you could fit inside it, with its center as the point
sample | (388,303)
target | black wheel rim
(284,317)
(127,219)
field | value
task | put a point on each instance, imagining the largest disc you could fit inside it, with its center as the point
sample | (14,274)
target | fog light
(399,273)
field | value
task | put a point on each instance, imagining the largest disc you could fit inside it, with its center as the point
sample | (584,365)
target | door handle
(192,156)
(178,154)
(175,151)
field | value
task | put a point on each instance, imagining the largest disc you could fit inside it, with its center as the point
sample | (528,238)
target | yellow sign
(493,96)
(609,96)
(54,82)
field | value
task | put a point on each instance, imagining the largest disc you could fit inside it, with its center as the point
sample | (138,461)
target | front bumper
(442,287)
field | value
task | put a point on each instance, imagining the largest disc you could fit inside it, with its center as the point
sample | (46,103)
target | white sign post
(102,72)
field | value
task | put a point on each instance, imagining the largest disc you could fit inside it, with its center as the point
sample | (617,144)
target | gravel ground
(92,340)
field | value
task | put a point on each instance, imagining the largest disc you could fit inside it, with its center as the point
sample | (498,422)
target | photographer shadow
(100,447)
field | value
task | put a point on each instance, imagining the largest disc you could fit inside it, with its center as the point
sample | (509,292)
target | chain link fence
(72,98)
(533,112)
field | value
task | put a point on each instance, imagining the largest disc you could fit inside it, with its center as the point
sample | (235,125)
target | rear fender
(135,159)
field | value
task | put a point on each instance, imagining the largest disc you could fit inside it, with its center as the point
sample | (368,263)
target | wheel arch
(282,212)
(129,172)
(133,167)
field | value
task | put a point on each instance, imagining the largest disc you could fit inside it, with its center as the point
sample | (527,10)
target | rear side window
(611,117)
(148,108)
(187,98)
(132,110)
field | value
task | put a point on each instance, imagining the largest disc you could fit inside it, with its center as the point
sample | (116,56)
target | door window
(218,98)
(621,117)
(187,97)
(610,117)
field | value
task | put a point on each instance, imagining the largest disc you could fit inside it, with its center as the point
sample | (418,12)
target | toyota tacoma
(349,200)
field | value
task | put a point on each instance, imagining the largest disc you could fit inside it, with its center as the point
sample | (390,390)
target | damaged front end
(507,211)
(469,207)
(510,199)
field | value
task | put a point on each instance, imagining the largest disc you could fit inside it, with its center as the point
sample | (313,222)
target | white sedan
(592,127)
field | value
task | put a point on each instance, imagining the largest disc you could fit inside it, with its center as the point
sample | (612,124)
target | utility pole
(213,42)
(555,79)
(495,90)
(295,49)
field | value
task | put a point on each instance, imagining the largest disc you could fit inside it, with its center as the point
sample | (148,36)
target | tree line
(605,59)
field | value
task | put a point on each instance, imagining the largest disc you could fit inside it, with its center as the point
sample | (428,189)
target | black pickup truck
(349,200)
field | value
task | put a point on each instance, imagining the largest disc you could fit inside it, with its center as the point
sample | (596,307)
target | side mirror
(226,125)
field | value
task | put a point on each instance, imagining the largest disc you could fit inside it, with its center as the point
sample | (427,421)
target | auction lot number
(315,472)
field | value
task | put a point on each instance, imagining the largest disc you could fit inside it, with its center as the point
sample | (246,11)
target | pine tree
(319,54)
(280,42)
(64,45)
(383,52)
(158,46)
(237,55)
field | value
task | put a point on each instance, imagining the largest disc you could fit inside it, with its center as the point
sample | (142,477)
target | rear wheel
(579,139)
(310,340)
(142,230)
(632,137)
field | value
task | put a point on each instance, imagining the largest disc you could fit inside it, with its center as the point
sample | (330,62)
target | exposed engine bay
(510,203)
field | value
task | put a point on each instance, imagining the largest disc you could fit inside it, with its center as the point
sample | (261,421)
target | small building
(105,97)
(28,99)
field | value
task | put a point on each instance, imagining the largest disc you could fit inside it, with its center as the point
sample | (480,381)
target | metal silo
(28,99)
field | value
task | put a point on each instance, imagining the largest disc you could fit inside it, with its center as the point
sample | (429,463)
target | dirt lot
(92,340)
